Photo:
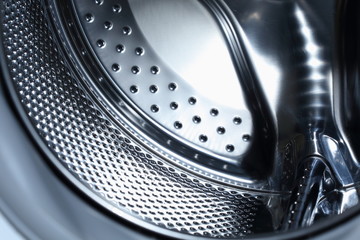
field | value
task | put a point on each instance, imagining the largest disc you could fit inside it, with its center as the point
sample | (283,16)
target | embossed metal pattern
(115,111)
(189,108)
(97,151)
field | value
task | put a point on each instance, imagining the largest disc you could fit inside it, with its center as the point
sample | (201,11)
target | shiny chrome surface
(177,107)
(182,97)
(212,118)
(304,61)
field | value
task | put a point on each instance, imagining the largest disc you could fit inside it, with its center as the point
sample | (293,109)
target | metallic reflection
(310,98)
(295,85)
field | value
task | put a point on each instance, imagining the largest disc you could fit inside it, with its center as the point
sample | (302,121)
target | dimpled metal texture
(98,153)
(193,114)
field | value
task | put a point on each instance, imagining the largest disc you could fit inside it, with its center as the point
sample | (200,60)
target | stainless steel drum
(185,119)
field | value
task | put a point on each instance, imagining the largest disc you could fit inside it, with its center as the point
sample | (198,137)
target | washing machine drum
(186,119)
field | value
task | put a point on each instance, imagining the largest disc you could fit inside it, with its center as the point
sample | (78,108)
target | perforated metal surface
(188,98)
(99,153)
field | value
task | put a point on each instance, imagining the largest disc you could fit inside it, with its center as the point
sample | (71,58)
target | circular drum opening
(220,119)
